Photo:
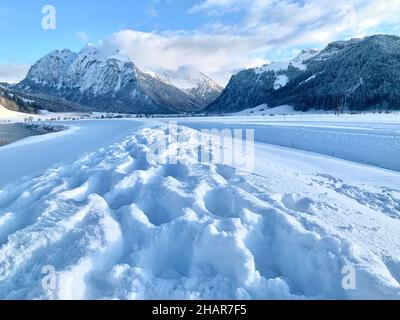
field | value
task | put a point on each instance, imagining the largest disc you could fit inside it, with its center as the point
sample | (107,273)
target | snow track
(115,226)
(376,144)
(35,154)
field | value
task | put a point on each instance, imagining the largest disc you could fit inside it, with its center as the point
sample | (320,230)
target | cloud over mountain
(240,34)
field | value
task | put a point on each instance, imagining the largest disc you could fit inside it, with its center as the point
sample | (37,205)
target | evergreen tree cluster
(355,75)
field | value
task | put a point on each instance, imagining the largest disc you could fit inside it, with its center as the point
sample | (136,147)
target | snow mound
(114,225)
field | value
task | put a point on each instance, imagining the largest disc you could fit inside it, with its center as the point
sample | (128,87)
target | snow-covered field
(8,115)
(113,225)
(43,115)
(372,139)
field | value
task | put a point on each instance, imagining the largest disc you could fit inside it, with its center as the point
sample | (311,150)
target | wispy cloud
(13,73)
(305,22)
(240,34)
(218,55)
(262,30)
(218,7)
(82,36)
(151,9)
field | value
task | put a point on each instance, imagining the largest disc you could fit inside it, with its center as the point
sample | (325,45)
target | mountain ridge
(354,75)
(111,83)
(193,82)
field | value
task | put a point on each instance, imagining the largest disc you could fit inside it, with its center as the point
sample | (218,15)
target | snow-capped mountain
(189,80)
(106,82)
(359,74)
(249,88)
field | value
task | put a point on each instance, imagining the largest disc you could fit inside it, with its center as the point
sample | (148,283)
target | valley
(133,174)
(116,226)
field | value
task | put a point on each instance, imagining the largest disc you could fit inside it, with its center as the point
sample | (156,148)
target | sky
(217,37)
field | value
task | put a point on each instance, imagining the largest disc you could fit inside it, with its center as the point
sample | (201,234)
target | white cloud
(13,73)
(216,7)
(82,36)
(307,22)
(260,31)
(264,30)
(215,54)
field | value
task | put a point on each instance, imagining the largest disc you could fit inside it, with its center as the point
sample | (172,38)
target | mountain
(193,82)
(250,88)
(16,100)
(112,83)
(354,75)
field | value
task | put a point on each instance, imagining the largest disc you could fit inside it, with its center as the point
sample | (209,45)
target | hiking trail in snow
(114,225)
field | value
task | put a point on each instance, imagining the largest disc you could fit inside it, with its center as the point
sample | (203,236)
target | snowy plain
(116,226)
(372,139)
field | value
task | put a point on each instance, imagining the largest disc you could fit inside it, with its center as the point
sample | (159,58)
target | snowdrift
(114,226)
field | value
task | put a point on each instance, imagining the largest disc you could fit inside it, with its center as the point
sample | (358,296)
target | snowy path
(115,226)
(375,143)
(35,154)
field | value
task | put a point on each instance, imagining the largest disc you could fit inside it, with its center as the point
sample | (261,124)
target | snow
(348,137)
(274,66)
(116,226)
(304,55)
(281,81)
(8,115)
(27,100)
(81,137)
(83,70)
(309,79)
(186,79)
(120,57)
(264,110)
(298,62)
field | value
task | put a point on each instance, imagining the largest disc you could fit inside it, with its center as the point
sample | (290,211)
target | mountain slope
(249,88)
(14,102)
(195,83)
(104,83)
(359,74)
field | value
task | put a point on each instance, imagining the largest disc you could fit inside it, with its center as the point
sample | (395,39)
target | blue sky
(24,40)
(216,36)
